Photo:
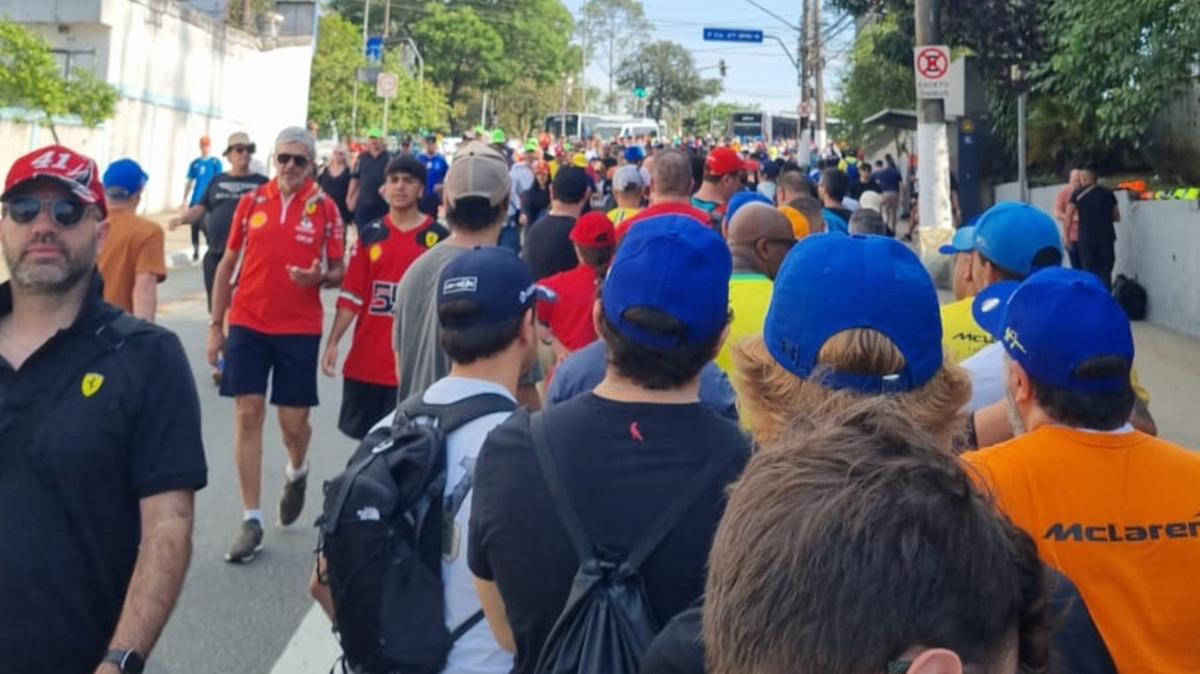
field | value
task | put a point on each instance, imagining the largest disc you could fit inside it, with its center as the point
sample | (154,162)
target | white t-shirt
(987,376)
(477,651)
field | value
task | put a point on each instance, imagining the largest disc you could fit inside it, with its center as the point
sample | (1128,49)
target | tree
(668,73)
(330,94)
(714,118)
(876,78)
(461,51)
(31,78)
(614,29)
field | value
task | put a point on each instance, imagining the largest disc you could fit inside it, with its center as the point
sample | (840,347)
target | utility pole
(803,135)
(933,152)
(387,17)
(818,73)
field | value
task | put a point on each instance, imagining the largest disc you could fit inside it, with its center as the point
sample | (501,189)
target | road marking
(312,648)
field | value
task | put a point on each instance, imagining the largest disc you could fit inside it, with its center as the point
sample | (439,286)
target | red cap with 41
(77,172)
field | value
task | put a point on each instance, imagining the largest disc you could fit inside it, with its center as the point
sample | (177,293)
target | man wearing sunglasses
(100,436)
(286,244)
(219,201)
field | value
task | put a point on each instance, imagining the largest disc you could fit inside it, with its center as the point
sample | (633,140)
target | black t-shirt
(337,187)
(678,648)
(79,448)
(221,200)
(1095,205)
(622,464)
(534,203)
(548,248)
(371,172)
(857,188)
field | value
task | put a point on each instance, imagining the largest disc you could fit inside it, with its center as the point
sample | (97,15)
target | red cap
(72,170)
(594,230)
(723,161)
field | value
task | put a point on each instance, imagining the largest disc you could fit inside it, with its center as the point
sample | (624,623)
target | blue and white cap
(494,278)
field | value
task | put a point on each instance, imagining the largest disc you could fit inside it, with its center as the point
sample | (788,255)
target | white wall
(180,74)
(1159,243)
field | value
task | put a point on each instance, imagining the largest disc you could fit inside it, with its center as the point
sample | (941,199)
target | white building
(181,74)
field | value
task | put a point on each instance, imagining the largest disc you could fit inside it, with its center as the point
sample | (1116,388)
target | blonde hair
(774,401)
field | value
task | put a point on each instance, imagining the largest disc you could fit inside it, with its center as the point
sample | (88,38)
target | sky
(758,73)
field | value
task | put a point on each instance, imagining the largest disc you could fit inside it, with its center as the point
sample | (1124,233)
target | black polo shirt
(87,429)
(371,173)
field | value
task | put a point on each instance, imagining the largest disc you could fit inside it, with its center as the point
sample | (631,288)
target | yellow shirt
(619,215)
(749,297)
(960,333)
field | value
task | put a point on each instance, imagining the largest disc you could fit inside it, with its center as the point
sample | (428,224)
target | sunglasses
(65,212)
(299,160)
(242,148)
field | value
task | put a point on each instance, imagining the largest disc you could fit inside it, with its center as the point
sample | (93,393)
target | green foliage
(31,78)
(668,73)
(337,57)
(461,51)
(1118,65)
(876,79)
(610,31)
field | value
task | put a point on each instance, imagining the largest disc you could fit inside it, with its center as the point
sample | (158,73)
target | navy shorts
(290,361)
(363,405)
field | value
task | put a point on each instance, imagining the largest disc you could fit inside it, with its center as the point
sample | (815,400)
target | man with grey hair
(867,221)
(285,244)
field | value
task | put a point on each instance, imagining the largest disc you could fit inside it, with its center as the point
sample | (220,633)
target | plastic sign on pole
(732,35)
(932,65)
(386,85)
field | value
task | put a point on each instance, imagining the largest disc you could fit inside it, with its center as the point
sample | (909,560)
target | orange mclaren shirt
(1119,514)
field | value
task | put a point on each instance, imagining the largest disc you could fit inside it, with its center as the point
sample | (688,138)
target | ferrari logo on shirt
(312,208)
(375,252)
(258,220)
(431,239)
(91,384)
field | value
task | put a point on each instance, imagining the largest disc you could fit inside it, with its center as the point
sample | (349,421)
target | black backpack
(381,534)
(608,623)
(1131,296)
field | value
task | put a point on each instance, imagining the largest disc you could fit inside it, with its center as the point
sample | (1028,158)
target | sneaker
(247,544)
(292,500)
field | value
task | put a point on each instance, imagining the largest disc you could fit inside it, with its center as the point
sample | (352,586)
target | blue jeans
(510,237)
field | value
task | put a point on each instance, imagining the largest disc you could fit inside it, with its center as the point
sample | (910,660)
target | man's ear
(1019,383)
(936,661)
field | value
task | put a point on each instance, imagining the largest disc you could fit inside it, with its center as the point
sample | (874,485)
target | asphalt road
(257,618)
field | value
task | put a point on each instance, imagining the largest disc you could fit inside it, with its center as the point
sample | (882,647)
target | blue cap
(672,264)
(124,178)
(1012,234)
(1053,322)
(830,283)
(963,242)
(496,279)
(741,199)
(634,154)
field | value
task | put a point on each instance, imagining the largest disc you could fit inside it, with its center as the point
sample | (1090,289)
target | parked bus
(763,126)
(576,125)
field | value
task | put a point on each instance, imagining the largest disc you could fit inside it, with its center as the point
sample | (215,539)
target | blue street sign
(732,35)
(375,49)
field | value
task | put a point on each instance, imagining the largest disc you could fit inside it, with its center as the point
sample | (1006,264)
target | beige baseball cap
(477,171)
(238,138)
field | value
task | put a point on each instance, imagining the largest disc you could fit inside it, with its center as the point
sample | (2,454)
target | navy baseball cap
(741,199)
(1014,235)
(669,264)
(830,283)
(1053,322)
(124,178)
(963,242)
(496,279)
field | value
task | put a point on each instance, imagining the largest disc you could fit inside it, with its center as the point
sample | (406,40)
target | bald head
(759,238)
(671,176)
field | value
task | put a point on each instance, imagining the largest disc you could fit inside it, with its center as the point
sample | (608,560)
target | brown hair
(772,400)
(844,546)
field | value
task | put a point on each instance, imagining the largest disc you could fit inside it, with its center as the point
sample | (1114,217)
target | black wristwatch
(128,661)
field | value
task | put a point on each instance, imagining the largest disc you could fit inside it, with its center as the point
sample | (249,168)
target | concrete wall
(1159,243)
(180,74)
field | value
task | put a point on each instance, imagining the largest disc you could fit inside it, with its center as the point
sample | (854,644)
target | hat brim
(75,188)
(990,307)
(950,250)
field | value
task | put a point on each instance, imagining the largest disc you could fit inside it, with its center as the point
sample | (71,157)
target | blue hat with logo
(675,265)
(1019,238)
(830,283)
(124,178)
(494,278)
(963,242)
(741,199)
(1054,321)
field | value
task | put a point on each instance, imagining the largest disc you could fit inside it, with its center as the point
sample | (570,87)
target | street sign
(732,35)
(640,92)
(932,63)
(386,85)
(374,49)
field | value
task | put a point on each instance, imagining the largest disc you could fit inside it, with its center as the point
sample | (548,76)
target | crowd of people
(636,407)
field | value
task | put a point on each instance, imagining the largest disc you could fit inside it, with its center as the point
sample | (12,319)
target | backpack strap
(466,626)
(558,491)
(671,516)
(452,416)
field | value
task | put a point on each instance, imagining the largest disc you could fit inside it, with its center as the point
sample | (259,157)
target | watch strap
(127,660)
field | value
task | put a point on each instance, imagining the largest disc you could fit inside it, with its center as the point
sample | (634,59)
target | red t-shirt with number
(269,234)
(377,262)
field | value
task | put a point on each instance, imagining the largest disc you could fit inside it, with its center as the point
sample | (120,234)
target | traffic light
(721,67)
